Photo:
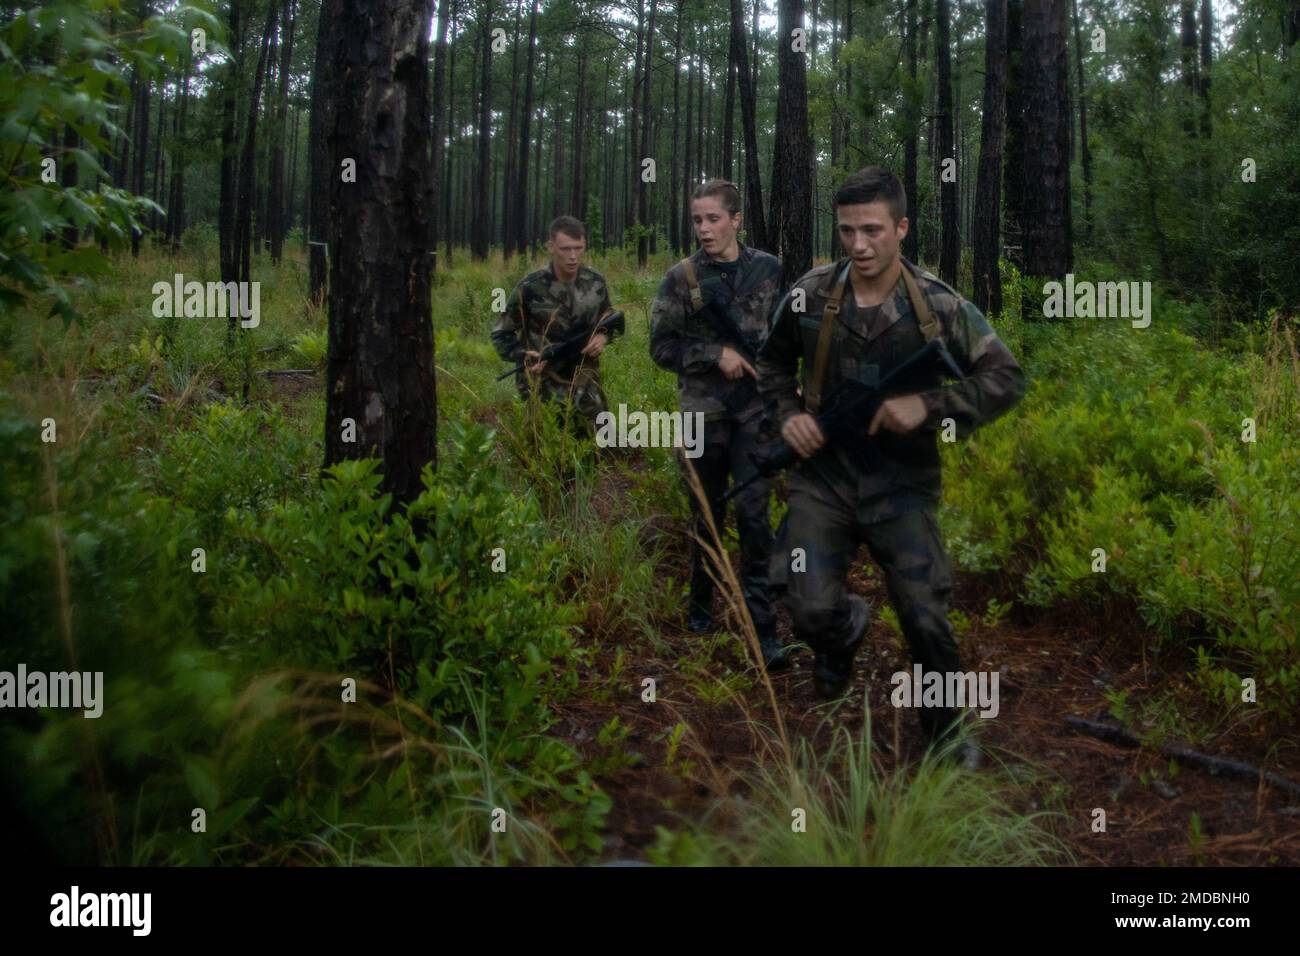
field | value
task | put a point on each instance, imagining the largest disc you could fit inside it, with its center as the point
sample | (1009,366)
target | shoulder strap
(697,300)
(930,328)
(813,400)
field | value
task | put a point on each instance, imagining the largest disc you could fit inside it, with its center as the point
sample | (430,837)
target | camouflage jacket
(690,345)
(542,310)
(906,473)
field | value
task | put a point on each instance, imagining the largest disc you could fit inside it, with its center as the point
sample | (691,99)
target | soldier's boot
(700,614)
(833,668)
(776,656)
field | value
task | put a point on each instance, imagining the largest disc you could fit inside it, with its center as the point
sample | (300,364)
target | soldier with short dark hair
(551,304)
(708,319)
(857,319)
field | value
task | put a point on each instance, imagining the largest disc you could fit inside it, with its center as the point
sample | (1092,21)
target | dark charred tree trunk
(381,359)
(1207,53)
(674,207)
(755,223)
(792,169)
(508,165)
(911,242)
(1013,168)
(520,202)
(229,199)
(449,173)
(988,192)
(578,199)
(1085,152)
(140,151)
(247,194)
(1047,226)
(643,188)
(276,203)
(729,111)
(483,175)
(950,238)
(536,233)
(688,177)
(1189,67)
(322,168)
(176,204)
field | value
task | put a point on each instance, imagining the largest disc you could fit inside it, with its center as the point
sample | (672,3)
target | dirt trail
(1051,666)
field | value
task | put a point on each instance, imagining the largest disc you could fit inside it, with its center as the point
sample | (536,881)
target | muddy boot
(832,670)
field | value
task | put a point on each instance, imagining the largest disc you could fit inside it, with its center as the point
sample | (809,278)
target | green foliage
(61,70)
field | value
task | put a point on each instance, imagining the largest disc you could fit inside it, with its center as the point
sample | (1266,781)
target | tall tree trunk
(688,176)
(483,185)
(1207,48)
(643,188)
(140,152)
(578,200)
(1085,152)
(508,206)
(176,205)
(674,207)
(1013,169)
(229,198)
(520,201)
(911,242)
(988,192)
(729,111)
(537,159)
(247,195)
(449,171)
(1188,64)
(950,239)
(276,204)
(792,168)
(755,222)
(381,358)
(1047,227)
(436,121)
(322,168)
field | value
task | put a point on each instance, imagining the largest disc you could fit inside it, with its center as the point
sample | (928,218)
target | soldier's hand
(802,433)
(900,415)
(733,364)
(532,365)
(596,345)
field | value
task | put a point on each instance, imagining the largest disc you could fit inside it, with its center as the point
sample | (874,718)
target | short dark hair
(723,190)
(872,184)
(567,225)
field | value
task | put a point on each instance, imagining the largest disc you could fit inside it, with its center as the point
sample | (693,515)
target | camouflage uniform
(690,345)
(839,497)
(546,310)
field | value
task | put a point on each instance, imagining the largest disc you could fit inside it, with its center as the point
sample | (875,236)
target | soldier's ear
(902,227)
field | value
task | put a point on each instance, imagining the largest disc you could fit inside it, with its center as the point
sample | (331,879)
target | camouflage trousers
(584,390)
(909,550)
(726,447)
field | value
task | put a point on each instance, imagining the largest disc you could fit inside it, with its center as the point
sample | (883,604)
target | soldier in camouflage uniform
(713,353)
(548,305)
(839,498)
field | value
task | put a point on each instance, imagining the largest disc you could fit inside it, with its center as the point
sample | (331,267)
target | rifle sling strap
(697,300)
(930,329)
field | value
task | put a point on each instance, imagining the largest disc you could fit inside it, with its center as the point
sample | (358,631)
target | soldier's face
(714,226)
(566,253)
(870,236)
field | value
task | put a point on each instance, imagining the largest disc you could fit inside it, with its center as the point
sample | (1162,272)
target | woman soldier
(708,321)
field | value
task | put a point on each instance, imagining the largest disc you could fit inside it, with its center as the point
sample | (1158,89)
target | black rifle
(574,343)
(850,412)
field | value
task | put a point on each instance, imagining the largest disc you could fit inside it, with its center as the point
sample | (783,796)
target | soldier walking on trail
(860,317)
(552,304)
(709,317)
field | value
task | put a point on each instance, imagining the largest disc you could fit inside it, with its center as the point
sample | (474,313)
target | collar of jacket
(826,282)
(702,258)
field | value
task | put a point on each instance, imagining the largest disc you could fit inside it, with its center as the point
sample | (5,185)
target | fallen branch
(1215,766)
(287,371)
